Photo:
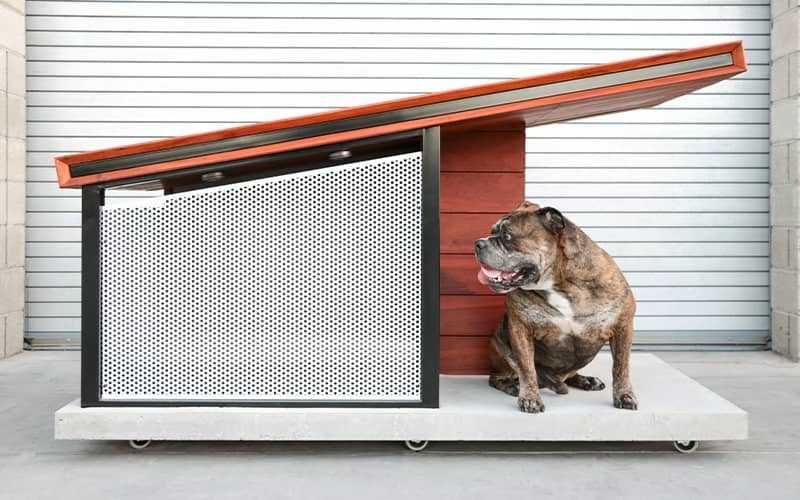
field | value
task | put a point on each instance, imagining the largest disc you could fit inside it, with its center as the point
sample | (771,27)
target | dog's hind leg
(501,374)
(585,382)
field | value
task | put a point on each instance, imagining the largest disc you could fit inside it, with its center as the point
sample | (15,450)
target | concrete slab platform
(672,407)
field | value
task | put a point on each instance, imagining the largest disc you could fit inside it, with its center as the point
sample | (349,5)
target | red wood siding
(483,177)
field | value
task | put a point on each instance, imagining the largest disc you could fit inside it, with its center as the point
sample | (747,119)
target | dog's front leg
(620,343)
(521,341)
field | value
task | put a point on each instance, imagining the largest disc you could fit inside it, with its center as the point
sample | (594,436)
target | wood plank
(464,355)
(458,275)
(480,151)
(462,315)
(459,231)
(481,192)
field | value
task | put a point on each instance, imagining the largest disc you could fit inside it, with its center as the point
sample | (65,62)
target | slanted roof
(538,100)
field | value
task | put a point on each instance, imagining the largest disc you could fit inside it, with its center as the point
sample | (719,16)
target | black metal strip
(251,403)
(431,142)
(398,116)
(91,200)
(393,144)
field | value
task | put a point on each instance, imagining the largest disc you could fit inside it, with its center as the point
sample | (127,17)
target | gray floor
(33,465)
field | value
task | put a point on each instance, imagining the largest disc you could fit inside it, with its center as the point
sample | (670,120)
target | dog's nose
(481,244)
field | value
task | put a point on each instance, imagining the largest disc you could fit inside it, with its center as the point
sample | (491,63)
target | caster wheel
(139,444)
(416,445)
(686,446)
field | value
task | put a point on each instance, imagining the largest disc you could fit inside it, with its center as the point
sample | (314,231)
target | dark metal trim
(252,403)
(91,201)
(278,157)
(431,143)
(400,115)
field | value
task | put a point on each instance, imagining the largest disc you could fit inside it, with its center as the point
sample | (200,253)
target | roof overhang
(556,97)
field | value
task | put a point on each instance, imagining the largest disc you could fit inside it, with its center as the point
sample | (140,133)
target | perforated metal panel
(298,287)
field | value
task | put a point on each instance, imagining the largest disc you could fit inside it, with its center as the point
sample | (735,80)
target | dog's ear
(552,219)
(527,206)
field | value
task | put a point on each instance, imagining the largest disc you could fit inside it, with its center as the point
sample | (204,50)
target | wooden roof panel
(538,100)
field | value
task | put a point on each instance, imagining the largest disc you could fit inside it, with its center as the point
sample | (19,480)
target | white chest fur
(565,321)
(561,303)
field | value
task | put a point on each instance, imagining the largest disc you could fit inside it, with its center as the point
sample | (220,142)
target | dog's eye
(506,236)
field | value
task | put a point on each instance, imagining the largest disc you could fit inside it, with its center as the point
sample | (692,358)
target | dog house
(325,260)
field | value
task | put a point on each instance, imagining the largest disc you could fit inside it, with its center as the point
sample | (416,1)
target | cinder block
(784,290)
(15,202)
(3,160)
(15,112)
(12,29)
(779,248)
(12,289)
(15,245)
(793,158)
(784,39)
(16,73)
(3,84)
(3,246)
(783,205)
(779,331)
(779,79)
(3,203)
(793,248)
(15,159)
(779,163)
(793,74)
(18,5)
(3,114)
(778,7)
(15,333)
(784,120)
(793,351)
(2,336)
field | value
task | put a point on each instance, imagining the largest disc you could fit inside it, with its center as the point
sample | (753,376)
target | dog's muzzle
(502,280)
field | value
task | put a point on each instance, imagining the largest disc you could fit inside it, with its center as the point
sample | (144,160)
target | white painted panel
(407,25)
(652,220)
(540,174)
(54,309)
(679,193)
(392,11)
(604,41)
(642,279)
(693,263)
(675,234)
(41,279)
(651,205)
(53,264)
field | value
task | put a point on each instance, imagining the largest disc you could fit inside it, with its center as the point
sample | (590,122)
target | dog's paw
(586,383)
(626,401)
(532,404)
(508,385)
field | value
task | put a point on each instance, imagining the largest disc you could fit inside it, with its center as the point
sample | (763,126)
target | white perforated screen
(298,287)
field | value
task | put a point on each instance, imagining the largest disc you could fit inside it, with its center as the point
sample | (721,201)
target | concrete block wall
(12,175)
(785,178)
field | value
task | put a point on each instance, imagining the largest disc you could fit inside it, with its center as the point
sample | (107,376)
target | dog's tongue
(487,273)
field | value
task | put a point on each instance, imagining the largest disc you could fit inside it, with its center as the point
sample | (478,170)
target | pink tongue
(485,274)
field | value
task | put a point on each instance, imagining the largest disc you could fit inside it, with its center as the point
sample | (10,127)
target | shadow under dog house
(324,260)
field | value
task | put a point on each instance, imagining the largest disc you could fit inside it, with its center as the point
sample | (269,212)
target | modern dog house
(313,278)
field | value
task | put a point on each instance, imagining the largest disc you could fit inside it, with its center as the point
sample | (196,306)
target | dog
(565,298)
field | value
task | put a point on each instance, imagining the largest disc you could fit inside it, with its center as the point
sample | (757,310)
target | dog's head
(521,251)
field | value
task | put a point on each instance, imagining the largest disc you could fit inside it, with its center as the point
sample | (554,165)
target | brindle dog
(566,299)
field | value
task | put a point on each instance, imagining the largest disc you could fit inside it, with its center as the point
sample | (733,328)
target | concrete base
(672,407)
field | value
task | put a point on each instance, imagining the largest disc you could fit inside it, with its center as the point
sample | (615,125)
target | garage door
(678,194)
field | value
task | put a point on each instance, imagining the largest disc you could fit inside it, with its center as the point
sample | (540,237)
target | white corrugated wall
(679,194)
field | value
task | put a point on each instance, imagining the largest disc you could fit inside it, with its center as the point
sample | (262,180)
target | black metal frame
(91,378)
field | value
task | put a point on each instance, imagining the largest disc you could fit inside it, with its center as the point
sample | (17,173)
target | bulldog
(565,298)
